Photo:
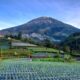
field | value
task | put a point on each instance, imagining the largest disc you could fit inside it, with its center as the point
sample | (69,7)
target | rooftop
(22,44)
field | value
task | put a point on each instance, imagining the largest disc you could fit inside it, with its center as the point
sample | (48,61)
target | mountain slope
(73,41)
(43,27)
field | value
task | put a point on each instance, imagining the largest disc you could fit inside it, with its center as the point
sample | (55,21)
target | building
(18,44)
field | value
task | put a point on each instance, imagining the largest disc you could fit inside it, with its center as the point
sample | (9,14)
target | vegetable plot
(23,69)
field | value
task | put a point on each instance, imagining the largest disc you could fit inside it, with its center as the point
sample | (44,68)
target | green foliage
(29,40)
(15,53)
(68,58)
(43,49)
(47,43)
(49,59)
(73,41)
(19,36)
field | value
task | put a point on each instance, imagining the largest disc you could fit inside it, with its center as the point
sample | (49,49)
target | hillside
(73,41)
(41,28)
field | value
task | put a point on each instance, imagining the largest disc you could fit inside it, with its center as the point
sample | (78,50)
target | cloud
(74,22)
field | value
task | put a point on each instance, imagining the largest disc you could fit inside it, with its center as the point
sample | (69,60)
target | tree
(19,35)
(66,48)
(47,43)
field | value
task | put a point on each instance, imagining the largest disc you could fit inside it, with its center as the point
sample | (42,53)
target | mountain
(73,41)
(43,27)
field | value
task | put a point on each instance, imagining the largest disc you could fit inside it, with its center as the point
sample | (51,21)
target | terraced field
(29,52)
(25,69)
(43,49)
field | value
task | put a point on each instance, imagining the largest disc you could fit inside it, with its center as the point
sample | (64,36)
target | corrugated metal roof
(21,44)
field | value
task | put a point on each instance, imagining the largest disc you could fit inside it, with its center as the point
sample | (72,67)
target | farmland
(43,49)
(25,69)
(29,51)
(37,63)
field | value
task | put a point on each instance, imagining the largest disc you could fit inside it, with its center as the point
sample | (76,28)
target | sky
(17,12)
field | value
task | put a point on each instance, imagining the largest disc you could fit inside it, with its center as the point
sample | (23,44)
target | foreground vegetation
(23,69)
